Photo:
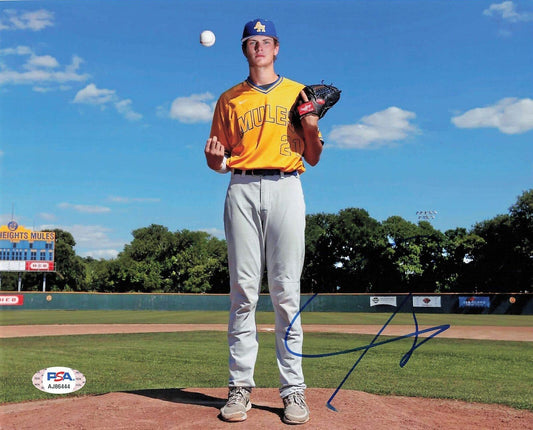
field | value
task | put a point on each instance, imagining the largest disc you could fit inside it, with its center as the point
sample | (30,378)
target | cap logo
(260,28)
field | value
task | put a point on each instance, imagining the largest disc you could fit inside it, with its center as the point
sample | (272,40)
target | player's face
(261,51)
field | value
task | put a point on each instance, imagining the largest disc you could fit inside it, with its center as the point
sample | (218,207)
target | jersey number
(288,148)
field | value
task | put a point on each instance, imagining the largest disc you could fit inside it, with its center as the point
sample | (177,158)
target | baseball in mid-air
(207,38)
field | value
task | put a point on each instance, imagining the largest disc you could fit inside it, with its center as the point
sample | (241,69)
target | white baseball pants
(264,219)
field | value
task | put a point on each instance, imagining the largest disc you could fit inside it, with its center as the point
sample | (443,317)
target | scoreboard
(24,250)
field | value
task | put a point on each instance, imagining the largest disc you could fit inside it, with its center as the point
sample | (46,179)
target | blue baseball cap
(259,27)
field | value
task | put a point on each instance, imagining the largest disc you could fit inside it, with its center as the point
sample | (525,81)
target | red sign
(11,299)
(40,266)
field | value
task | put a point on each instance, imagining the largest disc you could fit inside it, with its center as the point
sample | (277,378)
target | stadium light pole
(426,215)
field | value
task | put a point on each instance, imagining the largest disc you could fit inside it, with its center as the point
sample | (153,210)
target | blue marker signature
(403,361)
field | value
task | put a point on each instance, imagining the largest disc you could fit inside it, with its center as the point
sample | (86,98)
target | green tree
(432,257)
(505,261)
(69,272)
(402,259)
(456,271)
(319,272)
(200,263)
(358,244)
(521,218)
(493,260)
(415,257)
(145,262)
(158,260)
(97,274)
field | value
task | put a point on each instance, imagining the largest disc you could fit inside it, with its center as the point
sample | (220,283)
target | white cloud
(118,199)
(42,71)
(509,115)
(84,208)
(46,61)
(91,240)
(193,109)
(74,65)
(98,254)
(18,20)
(92,95)
(215,232)
(39,69)
(19,50)
(124,108)
(378,129)
(41,89)
(88,234)
(47,216)
(507,11)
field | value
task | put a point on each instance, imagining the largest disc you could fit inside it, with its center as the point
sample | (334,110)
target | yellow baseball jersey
(253,125)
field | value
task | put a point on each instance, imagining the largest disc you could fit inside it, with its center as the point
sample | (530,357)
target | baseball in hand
(207,38)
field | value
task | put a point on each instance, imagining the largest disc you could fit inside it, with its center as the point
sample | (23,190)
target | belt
(264,172)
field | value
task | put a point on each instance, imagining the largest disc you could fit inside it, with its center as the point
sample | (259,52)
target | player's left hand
(313,101)
(308,121)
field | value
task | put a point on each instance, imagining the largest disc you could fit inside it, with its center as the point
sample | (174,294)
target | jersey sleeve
(219,126)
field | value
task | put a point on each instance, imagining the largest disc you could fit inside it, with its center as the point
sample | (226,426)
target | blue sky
(105,108)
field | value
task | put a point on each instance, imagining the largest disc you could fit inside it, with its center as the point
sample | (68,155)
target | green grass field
(481,371)
(28,317)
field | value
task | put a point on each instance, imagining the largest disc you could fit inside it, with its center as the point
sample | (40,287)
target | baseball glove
(321,98)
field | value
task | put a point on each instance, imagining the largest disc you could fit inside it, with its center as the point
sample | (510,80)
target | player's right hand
(214,153)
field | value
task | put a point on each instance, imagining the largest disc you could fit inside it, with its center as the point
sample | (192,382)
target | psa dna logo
(58,380)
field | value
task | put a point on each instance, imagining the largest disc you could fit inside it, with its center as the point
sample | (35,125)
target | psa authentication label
(58,380)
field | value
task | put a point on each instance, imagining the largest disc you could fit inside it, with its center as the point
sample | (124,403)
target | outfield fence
(508,303)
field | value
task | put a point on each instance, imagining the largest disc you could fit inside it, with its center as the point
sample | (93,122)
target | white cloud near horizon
(99,254)
(11,19)
(215,232)
(507,11)
(193,109)
(91,240)
(381,128)
(509,115)
(84,208)
(91,95)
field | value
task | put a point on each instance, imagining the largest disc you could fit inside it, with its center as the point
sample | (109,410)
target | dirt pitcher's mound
(197,408)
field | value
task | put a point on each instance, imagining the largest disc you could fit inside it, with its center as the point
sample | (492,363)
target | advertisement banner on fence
(426,302)
(474,302)
(11,299)
(383,300)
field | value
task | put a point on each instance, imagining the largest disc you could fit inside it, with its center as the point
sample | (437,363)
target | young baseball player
(264,215)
